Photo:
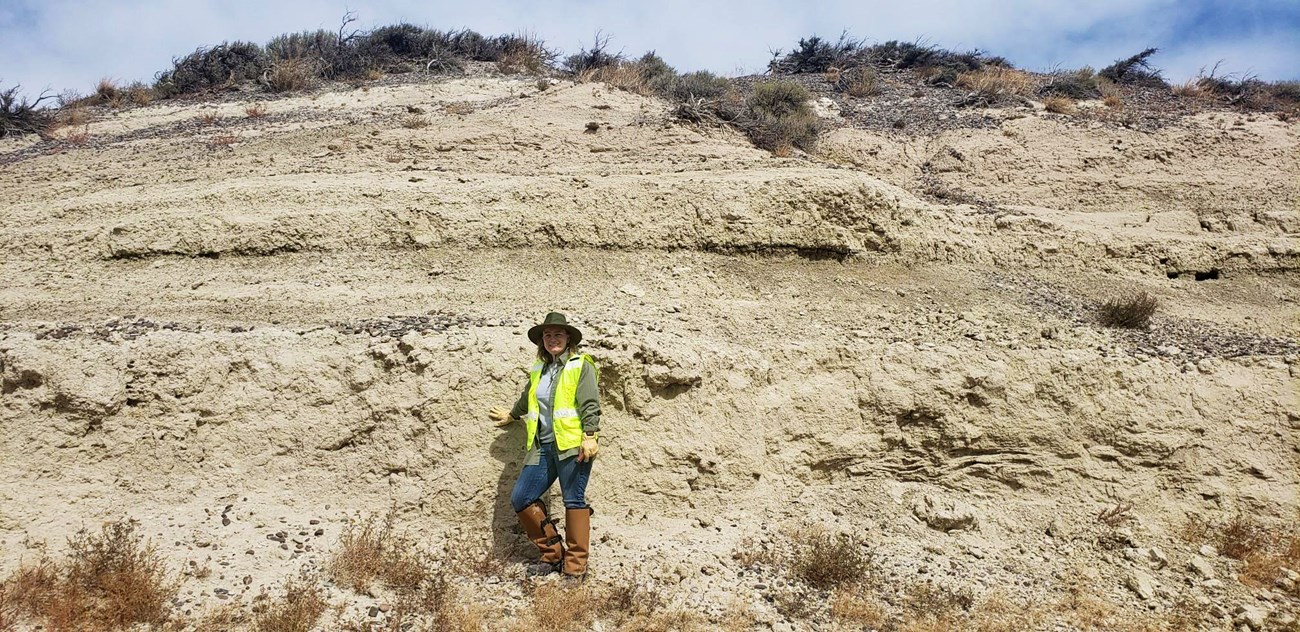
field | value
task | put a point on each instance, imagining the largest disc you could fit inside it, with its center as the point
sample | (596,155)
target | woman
(561,410)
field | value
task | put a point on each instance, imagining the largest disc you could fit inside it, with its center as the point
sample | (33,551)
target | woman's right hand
(500,415)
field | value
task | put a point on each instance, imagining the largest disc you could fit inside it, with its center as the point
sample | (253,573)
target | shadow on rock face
(507,537)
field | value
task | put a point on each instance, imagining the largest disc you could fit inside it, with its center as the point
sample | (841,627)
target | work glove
(501,416)
(588,449)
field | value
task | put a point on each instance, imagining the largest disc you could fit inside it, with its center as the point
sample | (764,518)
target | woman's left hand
(588,449)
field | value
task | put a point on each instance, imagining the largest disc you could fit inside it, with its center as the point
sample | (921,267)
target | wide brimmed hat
(555,319)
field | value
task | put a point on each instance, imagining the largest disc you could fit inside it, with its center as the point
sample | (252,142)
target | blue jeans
(534,480)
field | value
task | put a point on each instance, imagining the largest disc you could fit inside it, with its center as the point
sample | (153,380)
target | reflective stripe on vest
(564,407)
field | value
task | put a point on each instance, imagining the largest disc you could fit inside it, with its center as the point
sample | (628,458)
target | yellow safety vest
(564,407)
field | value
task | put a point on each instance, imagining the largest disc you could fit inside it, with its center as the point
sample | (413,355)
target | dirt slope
(304,316)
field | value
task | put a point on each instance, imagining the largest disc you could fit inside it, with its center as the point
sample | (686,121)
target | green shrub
(592,58)
(213,68)
(777,133)
(700,84)
(660,78)
(815,55)
(778,98)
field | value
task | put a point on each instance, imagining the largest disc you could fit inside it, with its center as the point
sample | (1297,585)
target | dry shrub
(75,115)
(20,115)
(863,82)
(937,601)
(525,52)
(1190,89)
(993,83)
(139,94)
(1059,105)
(629,600)
(1080,84)
(1264,549)
(110,580)
(208,118)
(752,554)
(1135,70)
(370,550)
(629,77)
(230,617)
(558,608)
(856,605)
(256,110)
(998,613)
(78,137)
(475,557)
(294,73)
(825,560)
(738,617)
(1131,311)
(671,621)
(107,92)
(297,610)
(414,121)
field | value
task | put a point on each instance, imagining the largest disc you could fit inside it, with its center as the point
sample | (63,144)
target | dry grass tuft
(78,136)
(74,115)
(111,580)
(863,82)
(559,608)
(1190,89)
(825,560)
(294,73)
(256,110)
(230,617)
(139,94)
(297,610)
(991,84)
(208,118)
(856,605)
(1264,549)
(370,550)
(627,76)
(224,140)
(106,91)
(414,121)
(1132,311)
(525,52)
(1059,105)
(670,621)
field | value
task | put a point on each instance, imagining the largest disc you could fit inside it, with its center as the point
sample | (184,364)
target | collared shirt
(546,384)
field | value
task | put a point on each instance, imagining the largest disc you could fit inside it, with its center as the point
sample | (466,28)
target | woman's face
(555,339)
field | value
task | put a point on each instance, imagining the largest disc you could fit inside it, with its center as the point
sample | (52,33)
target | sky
(70,44)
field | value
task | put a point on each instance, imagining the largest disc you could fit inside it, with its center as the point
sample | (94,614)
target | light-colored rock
(1141,584)
(945,515)
(1253,616)
(1201,567)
